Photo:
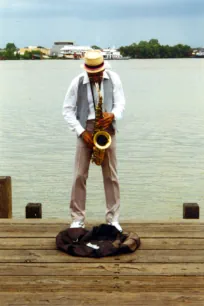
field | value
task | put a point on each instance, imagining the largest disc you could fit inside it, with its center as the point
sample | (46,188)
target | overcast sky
(104,23)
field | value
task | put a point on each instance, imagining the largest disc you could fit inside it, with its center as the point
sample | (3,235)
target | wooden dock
(167,269)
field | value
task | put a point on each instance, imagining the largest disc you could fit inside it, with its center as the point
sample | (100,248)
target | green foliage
(27,55)
(154,41)
(11,47)
(30,54)
(95,47)
(8,53)
(153,49)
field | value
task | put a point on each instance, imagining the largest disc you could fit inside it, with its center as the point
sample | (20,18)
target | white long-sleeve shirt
(69,105)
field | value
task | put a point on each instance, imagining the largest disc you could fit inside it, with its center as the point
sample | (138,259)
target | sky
(104,23)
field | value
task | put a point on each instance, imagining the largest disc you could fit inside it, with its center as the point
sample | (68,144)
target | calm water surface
(160,144)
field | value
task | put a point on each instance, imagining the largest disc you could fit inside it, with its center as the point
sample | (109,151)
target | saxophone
(101,138)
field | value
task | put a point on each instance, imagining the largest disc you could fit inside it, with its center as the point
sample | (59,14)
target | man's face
(96,77)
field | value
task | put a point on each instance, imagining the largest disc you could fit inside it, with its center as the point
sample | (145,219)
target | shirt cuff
(79,130)
(117,115)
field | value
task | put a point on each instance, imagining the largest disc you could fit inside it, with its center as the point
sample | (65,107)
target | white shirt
(69,106)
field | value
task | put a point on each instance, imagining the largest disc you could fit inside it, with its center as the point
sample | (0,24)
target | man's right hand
(88,138)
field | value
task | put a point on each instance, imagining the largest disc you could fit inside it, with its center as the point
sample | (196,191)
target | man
(79,112)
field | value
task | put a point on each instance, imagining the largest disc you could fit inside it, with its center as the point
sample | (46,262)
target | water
(160,144)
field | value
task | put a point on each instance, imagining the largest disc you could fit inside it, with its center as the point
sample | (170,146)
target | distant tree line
(11,53)
(153,49)
(144,49)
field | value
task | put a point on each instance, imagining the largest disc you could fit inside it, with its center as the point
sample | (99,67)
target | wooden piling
(34,210)
(5,197)
(190,211)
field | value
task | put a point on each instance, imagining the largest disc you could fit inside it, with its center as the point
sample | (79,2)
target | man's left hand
(107,120)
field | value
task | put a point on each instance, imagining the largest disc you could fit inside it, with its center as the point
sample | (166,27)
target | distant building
(74,50)
(58,45)
(43,50)
(198,52)
(111,53)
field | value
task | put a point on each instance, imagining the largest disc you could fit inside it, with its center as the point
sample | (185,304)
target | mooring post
(5,197)
(190,211)
(33,210)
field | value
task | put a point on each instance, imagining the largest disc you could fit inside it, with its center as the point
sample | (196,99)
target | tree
(153,49)
(165,51)
(9,51)
(154,41)
(95,47)
(11,47)
(27,55)
(30,54)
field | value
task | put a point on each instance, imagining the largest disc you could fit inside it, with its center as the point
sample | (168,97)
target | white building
(111,53)
(71,50)
(55,50)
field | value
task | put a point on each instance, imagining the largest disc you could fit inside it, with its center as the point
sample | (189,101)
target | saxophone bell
(102,140)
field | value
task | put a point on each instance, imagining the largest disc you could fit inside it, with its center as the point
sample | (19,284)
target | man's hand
(107,120)
(88,138)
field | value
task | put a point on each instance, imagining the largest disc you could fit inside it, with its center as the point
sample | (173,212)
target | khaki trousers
(110,179)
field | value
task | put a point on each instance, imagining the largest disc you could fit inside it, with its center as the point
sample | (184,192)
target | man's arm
(119,102)
(118,97)
(69,108)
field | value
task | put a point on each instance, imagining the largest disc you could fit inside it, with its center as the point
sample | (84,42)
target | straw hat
(93,61)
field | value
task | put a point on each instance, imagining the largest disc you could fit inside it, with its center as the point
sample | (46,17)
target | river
(160,144)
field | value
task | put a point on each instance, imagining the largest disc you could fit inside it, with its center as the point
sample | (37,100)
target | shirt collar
(86,78)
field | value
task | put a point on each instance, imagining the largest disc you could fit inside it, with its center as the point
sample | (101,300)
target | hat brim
(93,70)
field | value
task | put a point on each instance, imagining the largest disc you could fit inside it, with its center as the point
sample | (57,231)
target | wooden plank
(46,256)
(61,221)
(146,243)
(101,269)
(46,230)
(28,243)
(102,298)
(172,244)
(123,284)
(165,270)
(5,197)
(57,223)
